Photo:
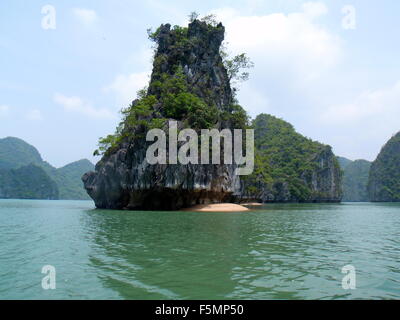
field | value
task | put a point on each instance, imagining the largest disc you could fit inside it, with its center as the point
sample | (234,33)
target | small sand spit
(217,207)
(252,204)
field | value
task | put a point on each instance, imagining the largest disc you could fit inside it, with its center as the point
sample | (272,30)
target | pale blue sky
(61,89)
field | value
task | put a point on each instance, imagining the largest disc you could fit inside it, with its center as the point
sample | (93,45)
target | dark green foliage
(177,106)
(27,182)
(261,176)
(176,99)
(283,158)
(202,116)
(108,143)
(181,38)
(355,179)
(179,103)
(180,34)
(384,178)
(237,116)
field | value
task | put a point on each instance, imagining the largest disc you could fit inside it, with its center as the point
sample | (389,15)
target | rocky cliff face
(290,167)
(197,51)
(187,71)
(384,176)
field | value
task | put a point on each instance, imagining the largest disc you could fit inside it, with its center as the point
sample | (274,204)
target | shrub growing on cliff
(236,66)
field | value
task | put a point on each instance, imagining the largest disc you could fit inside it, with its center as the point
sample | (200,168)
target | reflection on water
(167,255)
(277,252)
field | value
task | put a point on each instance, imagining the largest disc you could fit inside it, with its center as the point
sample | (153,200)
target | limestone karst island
(250,152)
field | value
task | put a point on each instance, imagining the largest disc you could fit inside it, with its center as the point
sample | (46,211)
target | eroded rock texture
(124,179)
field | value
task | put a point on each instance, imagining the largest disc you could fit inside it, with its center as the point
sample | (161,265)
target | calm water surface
(278,252)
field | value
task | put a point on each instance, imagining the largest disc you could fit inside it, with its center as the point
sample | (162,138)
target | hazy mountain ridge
(15,153)
(27,182)
(377,181)
(69,177)
(343,162)
(355,179)
(23,170)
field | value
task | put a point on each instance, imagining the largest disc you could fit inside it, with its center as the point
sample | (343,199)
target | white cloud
(374,105)
(365,123)
(34,115)
(142,57)
(256,102)
(125,87)
(4,110)
(315,9)
(293,44)
(86,16)
(76,104)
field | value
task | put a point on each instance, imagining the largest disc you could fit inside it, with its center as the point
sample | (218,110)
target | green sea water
(292,251)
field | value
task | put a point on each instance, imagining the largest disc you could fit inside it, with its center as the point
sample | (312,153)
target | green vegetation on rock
(290,167)
(174,94)
(384,177)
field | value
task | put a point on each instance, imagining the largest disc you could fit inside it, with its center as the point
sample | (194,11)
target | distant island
(24,174)
(355,179)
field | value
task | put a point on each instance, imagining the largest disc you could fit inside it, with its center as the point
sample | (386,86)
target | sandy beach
(217,207)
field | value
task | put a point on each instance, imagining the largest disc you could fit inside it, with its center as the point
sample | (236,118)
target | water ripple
(279,252)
